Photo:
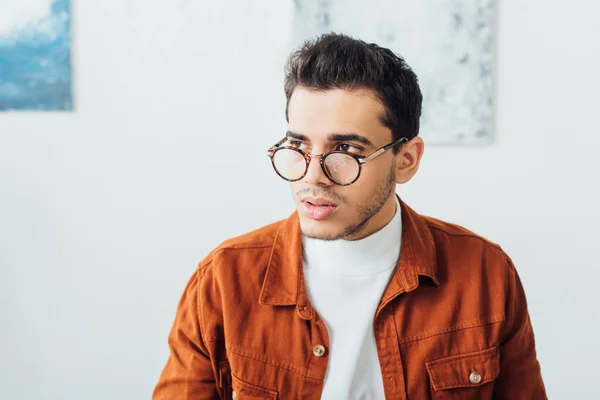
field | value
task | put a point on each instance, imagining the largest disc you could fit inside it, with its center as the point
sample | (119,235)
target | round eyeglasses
(342,168)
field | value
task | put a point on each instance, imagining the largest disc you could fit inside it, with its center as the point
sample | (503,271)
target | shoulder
(459,236)
(261,237)
(456,232)
(232,274)
(245,247)
(463,249)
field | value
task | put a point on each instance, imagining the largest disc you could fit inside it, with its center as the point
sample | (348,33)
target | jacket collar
(284,284)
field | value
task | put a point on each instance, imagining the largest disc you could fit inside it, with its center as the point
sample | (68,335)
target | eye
(294,143)
(348,148)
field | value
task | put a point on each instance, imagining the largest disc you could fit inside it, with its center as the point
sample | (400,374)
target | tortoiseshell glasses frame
(360,160)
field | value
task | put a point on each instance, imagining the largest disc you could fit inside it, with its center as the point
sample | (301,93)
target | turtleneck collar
(371,255)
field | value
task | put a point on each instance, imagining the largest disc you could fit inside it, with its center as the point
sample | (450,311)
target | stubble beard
(367,210)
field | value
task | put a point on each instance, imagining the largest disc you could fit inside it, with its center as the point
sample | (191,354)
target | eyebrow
(333,137)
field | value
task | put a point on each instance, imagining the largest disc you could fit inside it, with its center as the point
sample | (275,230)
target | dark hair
(337,61)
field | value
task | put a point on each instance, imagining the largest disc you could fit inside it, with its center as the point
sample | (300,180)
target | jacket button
(319,350)
(475,378)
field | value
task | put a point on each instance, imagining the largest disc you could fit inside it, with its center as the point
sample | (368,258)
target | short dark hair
(338,61)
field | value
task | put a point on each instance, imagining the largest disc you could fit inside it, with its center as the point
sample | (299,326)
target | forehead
(317,114)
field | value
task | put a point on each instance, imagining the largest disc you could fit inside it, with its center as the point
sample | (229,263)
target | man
(355,296)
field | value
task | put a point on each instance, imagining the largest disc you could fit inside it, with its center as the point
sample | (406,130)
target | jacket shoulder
(458,233)
(462,255)
(458,242)
(259,238)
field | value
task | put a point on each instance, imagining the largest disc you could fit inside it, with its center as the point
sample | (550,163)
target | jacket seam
(485,355)
(200,273)
(466,325)
(507,271)
(221,249)
(465,234)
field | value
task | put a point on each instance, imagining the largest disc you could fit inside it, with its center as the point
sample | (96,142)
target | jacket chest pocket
(464,376)
(233,388)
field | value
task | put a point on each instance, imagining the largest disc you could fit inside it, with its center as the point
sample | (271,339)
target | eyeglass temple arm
(275,146)
(383,149)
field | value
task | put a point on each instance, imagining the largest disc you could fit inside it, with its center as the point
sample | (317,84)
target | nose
(315,175)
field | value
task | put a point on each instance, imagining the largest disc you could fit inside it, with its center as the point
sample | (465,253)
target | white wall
(104,213)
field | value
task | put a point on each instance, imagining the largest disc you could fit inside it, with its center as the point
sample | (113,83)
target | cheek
(369,180)
(365,187)
(295,188)
(355,194)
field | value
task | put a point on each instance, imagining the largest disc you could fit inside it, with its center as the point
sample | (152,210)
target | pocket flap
(464,370)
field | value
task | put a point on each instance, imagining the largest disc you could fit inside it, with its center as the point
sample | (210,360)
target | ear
(408,159)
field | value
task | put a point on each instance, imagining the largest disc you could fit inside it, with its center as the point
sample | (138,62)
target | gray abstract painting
(448,43)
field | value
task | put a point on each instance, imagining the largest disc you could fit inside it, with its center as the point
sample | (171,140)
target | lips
(317,208)
(316,201)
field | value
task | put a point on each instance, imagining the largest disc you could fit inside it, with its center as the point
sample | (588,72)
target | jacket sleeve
(520,375)
(188,373)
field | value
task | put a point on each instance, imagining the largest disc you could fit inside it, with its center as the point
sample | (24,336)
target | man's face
(328,211)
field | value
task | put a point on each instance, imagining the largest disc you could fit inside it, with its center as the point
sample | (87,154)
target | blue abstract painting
(35,55)
(450,44)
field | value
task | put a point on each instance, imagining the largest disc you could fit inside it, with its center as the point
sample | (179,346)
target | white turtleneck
(345,281)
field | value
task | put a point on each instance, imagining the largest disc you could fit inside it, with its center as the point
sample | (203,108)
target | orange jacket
(452,323)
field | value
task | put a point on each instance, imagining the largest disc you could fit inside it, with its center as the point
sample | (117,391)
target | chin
(319,230)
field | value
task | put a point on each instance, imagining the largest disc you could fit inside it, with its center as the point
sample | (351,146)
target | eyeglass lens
(291,165)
